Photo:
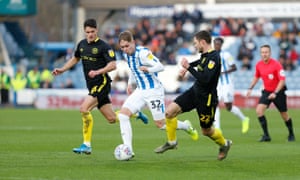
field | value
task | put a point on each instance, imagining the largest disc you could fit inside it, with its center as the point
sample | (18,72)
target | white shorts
(153,98)
(226,93)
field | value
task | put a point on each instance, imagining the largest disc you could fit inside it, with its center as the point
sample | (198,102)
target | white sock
(163,127)
(88,144)
(236,111)
(126,130)
(180,126)
(217,122)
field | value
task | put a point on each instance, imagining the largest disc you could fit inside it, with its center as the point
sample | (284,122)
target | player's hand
(57,71)
(93,73)
(144,69)
(184,63)
(182,72)
(272,96)
(129,89)
(248,93)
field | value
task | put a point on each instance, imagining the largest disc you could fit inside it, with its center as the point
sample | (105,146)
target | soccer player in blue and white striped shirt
(226,86)
(149,90)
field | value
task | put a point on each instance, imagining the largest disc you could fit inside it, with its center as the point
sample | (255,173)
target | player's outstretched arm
(66,66)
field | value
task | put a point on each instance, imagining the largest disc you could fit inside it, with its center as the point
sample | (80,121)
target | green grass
(38,144)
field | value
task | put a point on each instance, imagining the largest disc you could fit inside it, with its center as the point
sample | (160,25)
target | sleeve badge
(281,73)
(211,64)
(111,53)
(150,56)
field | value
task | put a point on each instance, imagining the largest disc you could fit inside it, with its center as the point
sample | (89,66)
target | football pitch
(37,145)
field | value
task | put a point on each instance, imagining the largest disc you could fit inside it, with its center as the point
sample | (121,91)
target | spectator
(242,28)
(184,49)
(181,16)
(172,59)
(289,66)
(225,28)
(46,78)
(216,28)
(5,84)
(293,55)
(69,84)
(19,81)
(284,42)
(34,78)
(196,16)
(189,29)
(245,53)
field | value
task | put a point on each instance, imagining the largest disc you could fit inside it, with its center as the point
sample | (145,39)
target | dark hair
(126,36)
(219,40)
(90,23)
(205,35)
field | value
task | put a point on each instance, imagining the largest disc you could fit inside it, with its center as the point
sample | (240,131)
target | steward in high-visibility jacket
(34,78)
(19,81)
(4,87)
(46,78)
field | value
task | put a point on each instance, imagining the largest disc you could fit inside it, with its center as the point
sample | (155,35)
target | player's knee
(170,115)
(259,112)
(207,131)
(83,110)
(160,124)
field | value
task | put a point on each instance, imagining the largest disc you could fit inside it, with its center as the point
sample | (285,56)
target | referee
(272,74)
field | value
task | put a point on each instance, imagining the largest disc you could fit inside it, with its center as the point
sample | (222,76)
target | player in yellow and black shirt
(98,58)
(202,96)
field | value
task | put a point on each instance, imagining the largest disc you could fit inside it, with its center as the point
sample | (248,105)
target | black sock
(289,125)
(264,125)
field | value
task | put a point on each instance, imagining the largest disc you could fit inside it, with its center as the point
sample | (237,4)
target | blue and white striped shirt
(143,57)
(226,61)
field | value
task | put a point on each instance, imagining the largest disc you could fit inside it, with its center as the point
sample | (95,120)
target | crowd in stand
(172,37)
(169,38)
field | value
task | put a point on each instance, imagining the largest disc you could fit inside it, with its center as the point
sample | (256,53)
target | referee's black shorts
(279,101)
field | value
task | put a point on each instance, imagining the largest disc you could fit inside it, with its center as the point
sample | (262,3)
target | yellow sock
(134,115)
(87,128)
(117,115)
(171,126)
(218,137)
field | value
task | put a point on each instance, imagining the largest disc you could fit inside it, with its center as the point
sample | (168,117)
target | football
(123,152)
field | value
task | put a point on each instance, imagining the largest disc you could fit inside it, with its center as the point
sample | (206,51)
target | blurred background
(37,36)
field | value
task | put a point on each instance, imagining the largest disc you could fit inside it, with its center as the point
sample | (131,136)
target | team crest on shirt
(150,56)
(111,53)
(211,64)
(271,76)
(95,51)
(81,50)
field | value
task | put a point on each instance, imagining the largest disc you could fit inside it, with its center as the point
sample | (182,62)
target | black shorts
(205,106)
(101,91)
(279,101)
